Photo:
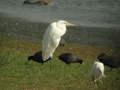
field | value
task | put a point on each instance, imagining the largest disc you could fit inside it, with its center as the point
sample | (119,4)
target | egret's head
(66,23)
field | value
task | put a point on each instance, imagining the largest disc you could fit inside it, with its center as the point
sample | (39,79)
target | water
(97,13)
(98,21)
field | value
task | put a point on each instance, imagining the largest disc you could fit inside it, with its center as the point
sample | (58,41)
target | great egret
(69,58)
(52,37)
(110,61)
(97,71)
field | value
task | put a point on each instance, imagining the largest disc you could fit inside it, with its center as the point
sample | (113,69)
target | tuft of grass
(17,73)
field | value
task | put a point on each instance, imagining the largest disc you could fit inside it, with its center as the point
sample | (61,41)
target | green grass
(17,73)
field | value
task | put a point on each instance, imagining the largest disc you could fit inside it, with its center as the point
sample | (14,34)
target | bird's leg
(95,82)
(49,59)
(50,66)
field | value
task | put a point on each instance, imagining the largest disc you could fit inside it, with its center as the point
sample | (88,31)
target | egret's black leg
(50,66)
(50,63)
(49,59)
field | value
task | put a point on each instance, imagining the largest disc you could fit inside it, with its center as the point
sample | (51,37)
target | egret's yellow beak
(70,24)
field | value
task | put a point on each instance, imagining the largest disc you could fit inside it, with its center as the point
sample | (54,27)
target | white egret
(97,71)
(52,37)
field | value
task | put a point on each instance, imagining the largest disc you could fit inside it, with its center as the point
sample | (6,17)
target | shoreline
(25,30)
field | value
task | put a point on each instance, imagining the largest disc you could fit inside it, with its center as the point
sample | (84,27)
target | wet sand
(21,29)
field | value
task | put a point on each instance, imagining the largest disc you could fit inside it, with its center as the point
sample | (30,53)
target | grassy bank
(17,73)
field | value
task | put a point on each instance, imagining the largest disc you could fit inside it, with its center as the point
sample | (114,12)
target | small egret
(97,71)
(69,58)
(110,61)
(52,37)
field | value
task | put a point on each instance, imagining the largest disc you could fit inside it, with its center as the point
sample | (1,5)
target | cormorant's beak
(70,24)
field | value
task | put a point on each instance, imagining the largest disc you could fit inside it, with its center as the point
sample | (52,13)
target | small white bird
(52,37)
(97,71)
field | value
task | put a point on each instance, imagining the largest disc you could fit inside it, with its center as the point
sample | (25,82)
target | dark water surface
(98,20)
(102,13)
(31,31)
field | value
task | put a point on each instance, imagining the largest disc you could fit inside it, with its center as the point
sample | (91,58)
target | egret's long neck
(61,29)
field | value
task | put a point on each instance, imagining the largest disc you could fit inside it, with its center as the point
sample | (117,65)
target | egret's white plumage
(52,37)
(97,71)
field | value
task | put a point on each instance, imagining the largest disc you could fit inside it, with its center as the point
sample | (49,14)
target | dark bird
(37,57)
(110,61)
(40,3)
(69,58)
